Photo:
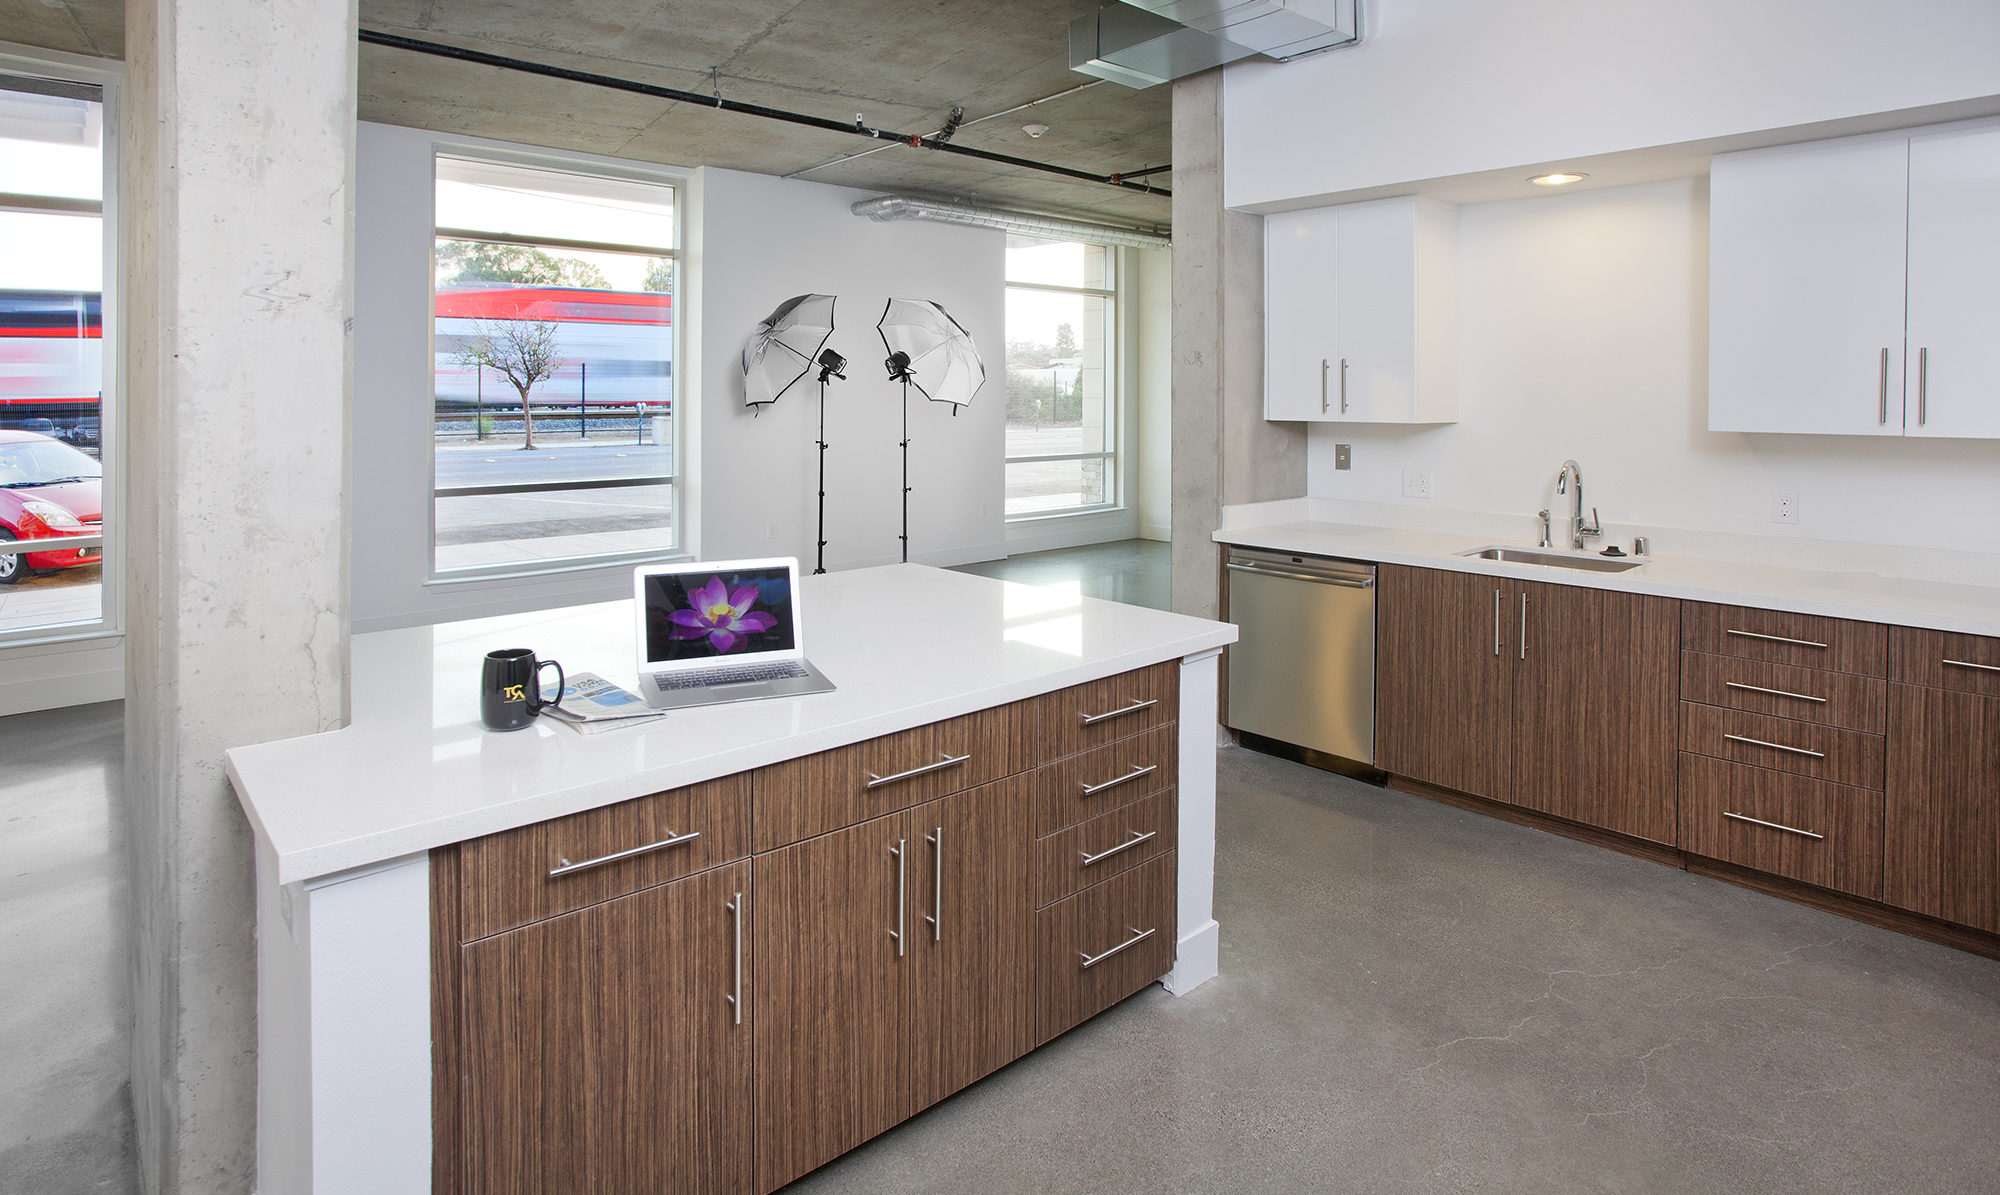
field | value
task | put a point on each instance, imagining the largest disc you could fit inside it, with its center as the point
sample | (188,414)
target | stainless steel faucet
(1572,475)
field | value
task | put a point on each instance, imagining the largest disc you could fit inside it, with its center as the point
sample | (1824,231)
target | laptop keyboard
(741,674)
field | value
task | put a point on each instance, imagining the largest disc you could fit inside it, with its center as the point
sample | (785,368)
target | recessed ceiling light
(1034,130)
(1557,180)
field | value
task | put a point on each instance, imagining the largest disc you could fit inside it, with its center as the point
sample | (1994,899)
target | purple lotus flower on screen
(720,615)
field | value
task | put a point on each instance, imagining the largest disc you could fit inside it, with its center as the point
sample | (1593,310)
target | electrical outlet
(1785,506)
(770,531)
(1343,456)
(1416,483)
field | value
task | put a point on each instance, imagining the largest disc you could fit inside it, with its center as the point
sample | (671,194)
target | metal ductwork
(905,207)
(1143,42)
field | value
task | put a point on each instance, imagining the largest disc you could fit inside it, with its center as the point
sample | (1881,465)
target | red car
(47,490)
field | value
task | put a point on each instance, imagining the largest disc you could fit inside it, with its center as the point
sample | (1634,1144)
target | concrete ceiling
(901,64)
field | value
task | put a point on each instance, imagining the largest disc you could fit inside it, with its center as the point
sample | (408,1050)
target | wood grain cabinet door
(1941,820)
(1595,708)
(602,1048)
(1443,676)
(969,916)
(832,1001)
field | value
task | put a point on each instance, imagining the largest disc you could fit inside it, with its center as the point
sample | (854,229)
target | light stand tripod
(899,371)
(830,366)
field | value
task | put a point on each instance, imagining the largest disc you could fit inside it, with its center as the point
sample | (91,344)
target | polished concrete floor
(65,1106)
(1414,997)
(1134,571)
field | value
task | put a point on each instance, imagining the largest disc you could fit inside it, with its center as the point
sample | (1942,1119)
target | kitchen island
(380,899)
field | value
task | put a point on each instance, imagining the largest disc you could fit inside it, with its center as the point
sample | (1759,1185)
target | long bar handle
(1265,570)
(1135,707)
(1137,771)
(1343,385)
(1923,385)
(1496,624)
(1730,684)
(1773,638)
(1882,389)
(901,892)
(947,760)
(735,998)
(1524,624)
(1138,936)
(1757,821)
(1970,664)
(1126,845)
(672,839)
(936,839)
(1737,738)
(1323,403)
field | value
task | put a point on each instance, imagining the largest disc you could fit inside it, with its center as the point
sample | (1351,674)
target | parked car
(47,490)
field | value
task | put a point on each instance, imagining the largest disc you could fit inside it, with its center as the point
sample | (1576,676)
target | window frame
(109,626)
(1114,392)
(681,500)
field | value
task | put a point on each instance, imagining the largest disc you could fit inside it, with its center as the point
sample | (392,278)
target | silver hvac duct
(904,207)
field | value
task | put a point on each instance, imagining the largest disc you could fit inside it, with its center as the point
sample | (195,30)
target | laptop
(718,631)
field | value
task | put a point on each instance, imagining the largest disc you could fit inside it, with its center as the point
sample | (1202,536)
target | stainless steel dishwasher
(1303,670)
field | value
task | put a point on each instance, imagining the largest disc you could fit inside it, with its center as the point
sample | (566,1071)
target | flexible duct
(904,207)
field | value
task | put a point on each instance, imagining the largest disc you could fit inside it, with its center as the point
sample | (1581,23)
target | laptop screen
(719,612)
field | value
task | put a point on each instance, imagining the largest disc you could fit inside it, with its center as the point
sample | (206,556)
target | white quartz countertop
(1870,597)
(905,644)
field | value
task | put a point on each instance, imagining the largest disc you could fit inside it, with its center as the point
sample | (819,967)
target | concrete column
(1224,452)
(236,214)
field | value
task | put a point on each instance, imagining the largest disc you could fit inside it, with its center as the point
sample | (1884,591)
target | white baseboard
(1158,531)
(1198,960)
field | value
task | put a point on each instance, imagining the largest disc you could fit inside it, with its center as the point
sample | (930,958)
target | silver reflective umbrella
(937,354)
(784,346)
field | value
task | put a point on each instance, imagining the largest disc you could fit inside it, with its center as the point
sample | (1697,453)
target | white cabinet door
(1806,253)
(1954,329)
(1375,376)
(1300,251)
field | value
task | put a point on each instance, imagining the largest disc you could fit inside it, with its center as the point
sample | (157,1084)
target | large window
(54,418)
(1062,435)
(554,338)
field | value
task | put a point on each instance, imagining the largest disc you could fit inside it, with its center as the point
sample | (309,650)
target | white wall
(1583,326)
(1152,399)
(752,241)
(1449,87)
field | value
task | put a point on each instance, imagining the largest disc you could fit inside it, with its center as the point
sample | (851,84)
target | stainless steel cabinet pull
(1114,782)
(1773,638)
(1524,625)
(1496,622)
(1737,738)
(1126,845)
(735,998)
(1923,385)
(1343,385)
(1970,664)
(1322,386)
(1135,707)
(1265,570)
(672,839)
(1771,825)
(936,839)
(1730,684)
(1883,390)
(1138,936)
(901,892)
(945,761)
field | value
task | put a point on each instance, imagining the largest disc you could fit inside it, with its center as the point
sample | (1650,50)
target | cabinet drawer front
(1822,752)
(1810,830)
(1115,774)
(800,798)
(1107,845)
(1802,694)
(1779,637)
(1102,945)
(506,881)
(1942,660)
(1089,715)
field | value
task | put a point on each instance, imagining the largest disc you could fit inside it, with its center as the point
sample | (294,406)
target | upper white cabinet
(1361,313)
(1843,275)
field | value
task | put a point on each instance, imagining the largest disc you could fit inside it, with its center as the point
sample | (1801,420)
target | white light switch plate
(1416,483)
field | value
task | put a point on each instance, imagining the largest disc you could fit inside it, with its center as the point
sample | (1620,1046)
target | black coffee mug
(510,688)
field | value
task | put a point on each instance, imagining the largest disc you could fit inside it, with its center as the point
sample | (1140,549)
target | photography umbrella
(783,348)
(931,351)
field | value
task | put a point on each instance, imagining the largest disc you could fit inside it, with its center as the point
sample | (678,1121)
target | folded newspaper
(590,703)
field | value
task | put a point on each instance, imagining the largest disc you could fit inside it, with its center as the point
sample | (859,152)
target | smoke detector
(1034,130)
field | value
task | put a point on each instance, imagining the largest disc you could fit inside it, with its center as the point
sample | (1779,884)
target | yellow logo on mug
(515,693)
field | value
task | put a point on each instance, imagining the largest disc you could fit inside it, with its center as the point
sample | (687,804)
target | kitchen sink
(1588,564)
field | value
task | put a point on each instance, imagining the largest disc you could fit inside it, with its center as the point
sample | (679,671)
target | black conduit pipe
(439,50)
